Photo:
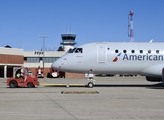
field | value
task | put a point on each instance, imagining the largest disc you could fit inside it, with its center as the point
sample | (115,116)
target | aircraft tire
(90,84)
(13,84)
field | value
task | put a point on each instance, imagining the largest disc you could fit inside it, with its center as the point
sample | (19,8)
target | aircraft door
(101,52)
(79,55)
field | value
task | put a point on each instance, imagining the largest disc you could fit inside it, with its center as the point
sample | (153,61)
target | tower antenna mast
(131,26)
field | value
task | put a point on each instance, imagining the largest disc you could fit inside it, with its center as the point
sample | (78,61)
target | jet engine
(153,79)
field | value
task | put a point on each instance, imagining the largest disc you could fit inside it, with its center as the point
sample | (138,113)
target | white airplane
(115,58)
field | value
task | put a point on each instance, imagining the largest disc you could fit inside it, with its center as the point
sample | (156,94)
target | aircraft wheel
(90,84)
(30,85)
(13,84)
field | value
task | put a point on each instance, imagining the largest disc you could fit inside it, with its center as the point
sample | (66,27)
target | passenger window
(133,51)
(149,51)
(116,51)
(141,51)
(157,51)
(124,51)
(79,50)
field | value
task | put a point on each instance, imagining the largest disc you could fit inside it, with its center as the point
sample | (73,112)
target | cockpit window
(79,50)
(71,50)
(76,50)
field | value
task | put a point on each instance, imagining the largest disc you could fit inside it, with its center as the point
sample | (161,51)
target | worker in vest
(39,71)
(18,75)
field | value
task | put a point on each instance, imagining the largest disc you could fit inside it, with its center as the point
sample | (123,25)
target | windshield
(79,50)
(76,50)
(71,50)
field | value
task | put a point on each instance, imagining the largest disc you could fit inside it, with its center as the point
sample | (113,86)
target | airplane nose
(58,64)
(55,65)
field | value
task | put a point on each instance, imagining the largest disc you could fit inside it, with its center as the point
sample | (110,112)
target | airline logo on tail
(116,58)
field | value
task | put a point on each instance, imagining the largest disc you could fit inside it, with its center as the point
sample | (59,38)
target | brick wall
(11,59)
(67,74)
(74,75)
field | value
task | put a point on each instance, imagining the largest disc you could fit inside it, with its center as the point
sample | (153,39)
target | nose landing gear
(91,82)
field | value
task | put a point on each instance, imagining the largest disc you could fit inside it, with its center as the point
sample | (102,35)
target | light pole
(43,36)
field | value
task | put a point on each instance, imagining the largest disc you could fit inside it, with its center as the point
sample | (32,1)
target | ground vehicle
(39,72)
(53,73)
(22,77)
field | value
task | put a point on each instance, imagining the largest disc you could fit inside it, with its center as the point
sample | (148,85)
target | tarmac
(112,98)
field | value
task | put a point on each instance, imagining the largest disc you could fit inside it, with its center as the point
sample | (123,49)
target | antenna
(70,28)
(130,26)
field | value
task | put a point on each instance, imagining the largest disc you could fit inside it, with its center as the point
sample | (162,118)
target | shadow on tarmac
(154,86)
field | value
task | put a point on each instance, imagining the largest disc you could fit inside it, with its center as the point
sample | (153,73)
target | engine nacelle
(153,79)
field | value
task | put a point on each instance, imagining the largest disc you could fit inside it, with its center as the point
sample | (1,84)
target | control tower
(68,41)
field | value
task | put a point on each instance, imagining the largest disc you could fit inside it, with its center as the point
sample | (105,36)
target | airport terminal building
(14,57)
(9,58)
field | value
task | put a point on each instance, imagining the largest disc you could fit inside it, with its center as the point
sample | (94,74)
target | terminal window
(32,59)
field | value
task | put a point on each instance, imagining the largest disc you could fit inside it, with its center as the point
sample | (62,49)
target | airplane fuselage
(114,58)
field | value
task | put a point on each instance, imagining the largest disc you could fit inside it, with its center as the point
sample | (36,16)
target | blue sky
(23,21)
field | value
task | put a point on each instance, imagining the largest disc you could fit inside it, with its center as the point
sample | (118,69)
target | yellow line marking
(70,85)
